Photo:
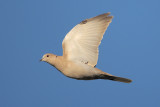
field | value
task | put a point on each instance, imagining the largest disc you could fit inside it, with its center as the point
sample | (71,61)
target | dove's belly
(79,70)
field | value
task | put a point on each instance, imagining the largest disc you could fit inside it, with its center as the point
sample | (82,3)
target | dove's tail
(104,75)
(115,78)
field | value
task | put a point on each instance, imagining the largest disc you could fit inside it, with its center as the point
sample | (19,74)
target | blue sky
(130,48)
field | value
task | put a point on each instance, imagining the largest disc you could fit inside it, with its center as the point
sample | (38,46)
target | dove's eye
(47,55)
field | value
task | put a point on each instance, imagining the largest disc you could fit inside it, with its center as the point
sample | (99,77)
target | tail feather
(120,79)
(115,78)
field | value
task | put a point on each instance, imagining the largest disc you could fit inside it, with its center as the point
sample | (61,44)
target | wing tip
(107,13)
(101,16)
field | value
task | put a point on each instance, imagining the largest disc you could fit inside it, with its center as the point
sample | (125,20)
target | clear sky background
(130,48)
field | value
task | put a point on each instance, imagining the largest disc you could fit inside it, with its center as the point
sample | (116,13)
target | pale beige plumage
(80,51)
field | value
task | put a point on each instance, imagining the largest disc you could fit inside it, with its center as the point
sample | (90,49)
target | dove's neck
(59,63)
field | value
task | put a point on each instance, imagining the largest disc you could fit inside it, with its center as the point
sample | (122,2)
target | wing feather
(82,42)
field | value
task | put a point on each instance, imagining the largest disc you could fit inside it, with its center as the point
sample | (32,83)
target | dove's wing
(82,42)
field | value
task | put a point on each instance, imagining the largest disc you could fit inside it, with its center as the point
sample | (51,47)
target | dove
(80,51)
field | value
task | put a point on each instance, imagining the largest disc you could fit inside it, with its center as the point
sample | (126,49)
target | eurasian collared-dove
(80,51)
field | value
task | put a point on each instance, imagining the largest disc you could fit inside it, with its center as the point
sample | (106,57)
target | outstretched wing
(81,43)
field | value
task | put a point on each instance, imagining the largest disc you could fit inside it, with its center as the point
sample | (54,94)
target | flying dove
(80,51)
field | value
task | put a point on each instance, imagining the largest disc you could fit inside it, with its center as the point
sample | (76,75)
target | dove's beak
(41,60)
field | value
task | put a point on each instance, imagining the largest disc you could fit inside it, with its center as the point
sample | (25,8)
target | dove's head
(48,58)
